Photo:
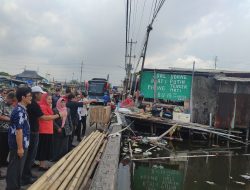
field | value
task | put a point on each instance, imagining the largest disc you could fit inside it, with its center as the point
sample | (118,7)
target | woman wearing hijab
(62,130)
(45,146)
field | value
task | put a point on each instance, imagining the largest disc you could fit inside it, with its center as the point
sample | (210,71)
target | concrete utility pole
(129,66)
(81,74)
(145,46)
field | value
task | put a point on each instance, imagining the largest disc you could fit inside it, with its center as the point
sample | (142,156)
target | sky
(54,37)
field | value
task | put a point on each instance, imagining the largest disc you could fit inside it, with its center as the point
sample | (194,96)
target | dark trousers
(15,169)
(81,127)
(4,148)
(60,146)
(31,155)
(71,137)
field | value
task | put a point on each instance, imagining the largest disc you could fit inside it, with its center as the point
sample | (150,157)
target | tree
(4,74)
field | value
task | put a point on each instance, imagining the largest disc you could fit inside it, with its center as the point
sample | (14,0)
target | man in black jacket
(73,105)
(56,97)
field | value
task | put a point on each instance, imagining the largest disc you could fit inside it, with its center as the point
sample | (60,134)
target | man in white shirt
(82,115)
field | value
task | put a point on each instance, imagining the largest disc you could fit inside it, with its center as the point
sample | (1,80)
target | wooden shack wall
(225,106)
(205,97)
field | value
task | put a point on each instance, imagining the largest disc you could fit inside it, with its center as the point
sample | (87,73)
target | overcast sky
(55,36)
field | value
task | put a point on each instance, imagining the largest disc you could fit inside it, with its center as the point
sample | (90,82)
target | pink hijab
(62,109)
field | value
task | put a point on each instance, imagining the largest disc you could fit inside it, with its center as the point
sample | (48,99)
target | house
(31,77)
(8,82)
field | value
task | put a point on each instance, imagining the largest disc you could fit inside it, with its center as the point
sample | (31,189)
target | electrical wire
(158,5)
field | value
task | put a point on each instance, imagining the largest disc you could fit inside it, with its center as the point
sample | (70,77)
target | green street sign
(174,87)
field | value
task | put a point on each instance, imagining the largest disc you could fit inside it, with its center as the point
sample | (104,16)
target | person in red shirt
(128,102)
(45,146)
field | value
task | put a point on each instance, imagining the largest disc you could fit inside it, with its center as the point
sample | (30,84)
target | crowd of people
(38,125)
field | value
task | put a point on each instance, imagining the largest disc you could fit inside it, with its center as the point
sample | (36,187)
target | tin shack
(218,98)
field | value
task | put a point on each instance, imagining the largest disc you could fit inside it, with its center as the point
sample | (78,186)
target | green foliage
(4,74)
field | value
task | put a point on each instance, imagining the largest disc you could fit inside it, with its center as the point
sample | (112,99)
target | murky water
(192,166)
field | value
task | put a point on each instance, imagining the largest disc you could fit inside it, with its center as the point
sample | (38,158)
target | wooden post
(191,96)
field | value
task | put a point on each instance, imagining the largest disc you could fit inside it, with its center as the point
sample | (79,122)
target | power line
(149,28)
(126,45)
(134,19)
(129,20)
(140,23)
(149,18)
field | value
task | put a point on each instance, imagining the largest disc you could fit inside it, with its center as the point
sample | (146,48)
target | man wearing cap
(35,113)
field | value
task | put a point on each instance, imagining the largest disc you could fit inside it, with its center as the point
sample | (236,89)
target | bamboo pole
(168,131)
(74,152)
(51,171)
(83,174)
(84,167)
(93,165)
(130,151)
(174,157)
(57,178)
(81,164)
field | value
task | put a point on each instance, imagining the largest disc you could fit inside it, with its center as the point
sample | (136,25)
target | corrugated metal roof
(231,79)
(215,71)
(204,72)
(208,70)
(4,77)
(29,74)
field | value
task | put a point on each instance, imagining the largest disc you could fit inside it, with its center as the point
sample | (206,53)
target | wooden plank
(100,114)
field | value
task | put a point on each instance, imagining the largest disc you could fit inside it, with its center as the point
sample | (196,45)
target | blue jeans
(31,156)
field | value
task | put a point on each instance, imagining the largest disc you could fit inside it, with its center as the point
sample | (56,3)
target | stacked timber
(100,114)
(73,171)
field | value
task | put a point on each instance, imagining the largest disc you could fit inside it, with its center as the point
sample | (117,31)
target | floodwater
(193,165)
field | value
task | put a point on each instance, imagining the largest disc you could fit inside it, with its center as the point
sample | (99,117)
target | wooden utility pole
(191,95)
